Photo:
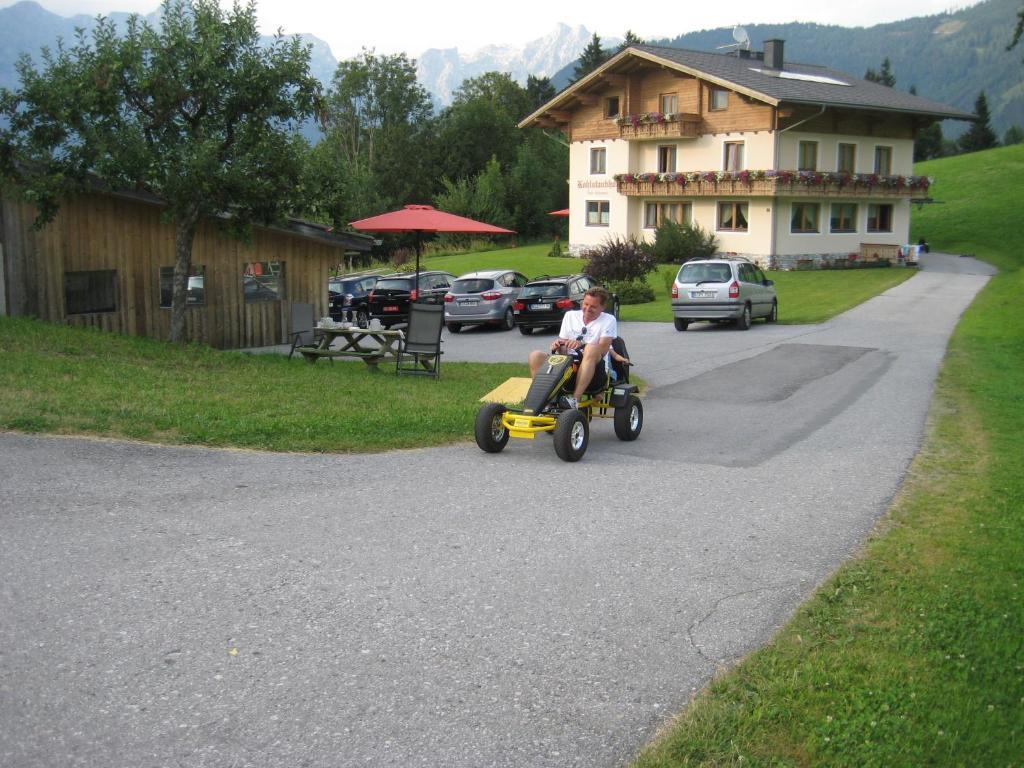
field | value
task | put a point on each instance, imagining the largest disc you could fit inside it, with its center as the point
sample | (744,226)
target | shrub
(619,259)
(556,250)
(675,243)
(632,291)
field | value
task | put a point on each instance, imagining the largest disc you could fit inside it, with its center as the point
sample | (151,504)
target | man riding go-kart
(570,386)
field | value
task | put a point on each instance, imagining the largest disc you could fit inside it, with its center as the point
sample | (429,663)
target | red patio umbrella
(426,218)
(561,212)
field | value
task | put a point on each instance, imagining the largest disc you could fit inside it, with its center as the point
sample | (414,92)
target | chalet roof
(806,84)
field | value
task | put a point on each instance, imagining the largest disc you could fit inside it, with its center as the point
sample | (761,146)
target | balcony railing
(770,184)
(655,125)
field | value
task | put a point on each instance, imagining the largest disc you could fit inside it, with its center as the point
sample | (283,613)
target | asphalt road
(446,607)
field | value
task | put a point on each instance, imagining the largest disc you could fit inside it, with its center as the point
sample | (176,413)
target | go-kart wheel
(491,434)
(629,419)
(572,434)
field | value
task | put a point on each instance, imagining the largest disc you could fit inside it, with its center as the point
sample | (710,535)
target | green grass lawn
(804,297)
(913,653)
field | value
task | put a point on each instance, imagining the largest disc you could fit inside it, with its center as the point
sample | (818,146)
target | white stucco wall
(828,151)
(705,153)
(825,242)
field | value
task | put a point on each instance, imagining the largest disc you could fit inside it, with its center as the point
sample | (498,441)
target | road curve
(445,607)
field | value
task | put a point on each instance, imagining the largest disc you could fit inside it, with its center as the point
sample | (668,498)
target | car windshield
(472,285)
(544,290)
(343,286)
(394,284)
(705,273)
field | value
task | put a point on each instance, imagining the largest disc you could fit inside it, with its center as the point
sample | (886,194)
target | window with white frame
(843,218)
(807,159)
(732,217)
(667,159)
(879,217)
(597,160)
(598,213)
(805,218)
(669,103)
(883,160)
(732,159)
(655,214)
(846,161)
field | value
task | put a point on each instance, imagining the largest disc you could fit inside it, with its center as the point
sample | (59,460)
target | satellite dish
(739,34)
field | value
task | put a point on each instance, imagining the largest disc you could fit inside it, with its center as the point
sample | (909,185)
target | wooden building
(783,162)
(106,261)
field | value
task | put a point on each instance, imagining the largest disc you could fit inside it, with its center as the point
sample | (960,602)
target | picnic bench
(366,344)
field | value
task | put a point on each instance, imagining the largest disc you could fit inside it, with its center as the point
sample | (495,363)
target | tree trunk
(184,234)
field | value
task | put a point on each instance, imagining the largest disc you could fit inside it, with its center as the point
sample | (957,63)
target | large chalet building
(787,164)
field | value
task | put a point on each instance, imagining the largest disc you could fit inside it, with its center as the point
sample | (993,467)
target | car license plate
(540,307)
(703,294)
(468,303)
(391,308)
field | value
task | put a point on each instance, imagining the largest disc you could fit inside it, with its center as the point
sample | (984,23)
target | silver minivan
(722,290)
(483,297)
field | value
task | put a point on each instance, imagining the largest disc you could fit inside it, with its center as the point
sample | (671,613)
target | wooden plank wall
(100,232)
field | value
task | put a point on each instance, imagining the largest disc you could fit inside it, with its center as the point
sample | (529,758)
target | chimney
(773,53)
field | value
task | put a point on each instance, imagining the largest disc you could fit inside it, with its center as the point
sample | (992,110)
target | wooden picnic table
(370,346)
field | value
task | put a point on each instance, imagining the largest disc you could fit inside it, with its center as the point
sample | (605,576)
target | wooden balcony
(786,184)
(656,126)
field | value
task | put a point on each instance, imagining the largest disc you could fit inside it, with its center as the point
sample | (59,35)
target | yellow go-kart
(542,411)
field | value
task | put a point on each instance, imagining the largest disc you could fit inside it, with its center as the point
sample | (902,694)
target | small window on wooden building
(196,294)
(669,103)
(718,99)
(611,106)
(263,281)
(87,292)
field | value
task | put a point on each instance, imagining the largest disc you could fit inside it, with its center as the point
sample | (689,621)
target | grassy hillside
(912,653)
(979,205)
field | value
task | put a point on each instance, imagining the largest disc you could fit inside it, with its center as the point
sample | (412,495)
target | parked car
(390,296)
(544,301)
(348,298)
(483,297)
(722,290)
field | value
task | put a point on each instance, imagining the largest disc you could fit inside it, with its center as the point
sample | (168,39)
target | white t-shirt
(605,326)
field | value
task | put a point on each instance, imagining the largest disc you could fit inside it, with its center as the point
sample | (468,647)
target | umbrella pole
(419,245)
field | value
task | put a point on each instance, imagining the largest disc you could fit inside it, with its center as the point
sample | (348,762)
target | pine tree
(980,135)
(1014,135)
(593,56)
(928,144)
(631,39)
(883,77)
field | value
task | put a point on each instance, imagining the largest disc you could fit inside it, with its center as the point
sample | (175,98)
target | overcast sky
(413,27)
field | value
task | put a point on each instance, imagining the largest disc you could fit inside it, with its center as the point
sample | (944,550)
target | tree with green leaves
(593,56)
(1018,31)
(884,76)
(539,91)
(376,119)
(1014,135)
(197,112)
(980,135)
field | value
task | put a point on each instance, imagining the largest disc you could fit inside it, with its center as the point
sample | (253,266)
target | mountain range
(949,57)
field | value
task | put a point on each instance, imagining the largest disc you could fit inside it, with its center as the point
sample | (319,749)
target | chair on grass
(422,342)
(302,326)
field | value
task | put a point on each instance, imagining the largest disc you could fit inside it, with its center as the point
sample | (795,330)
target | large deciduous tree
(196,111)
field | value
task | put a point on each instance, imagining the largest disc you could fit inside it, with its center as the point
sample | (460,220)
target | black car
(390,297)
(545,300)
(348,298)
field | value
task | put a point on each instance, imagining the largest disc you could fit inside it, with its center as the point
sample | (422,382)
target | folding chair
(422,341)
(302,326)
